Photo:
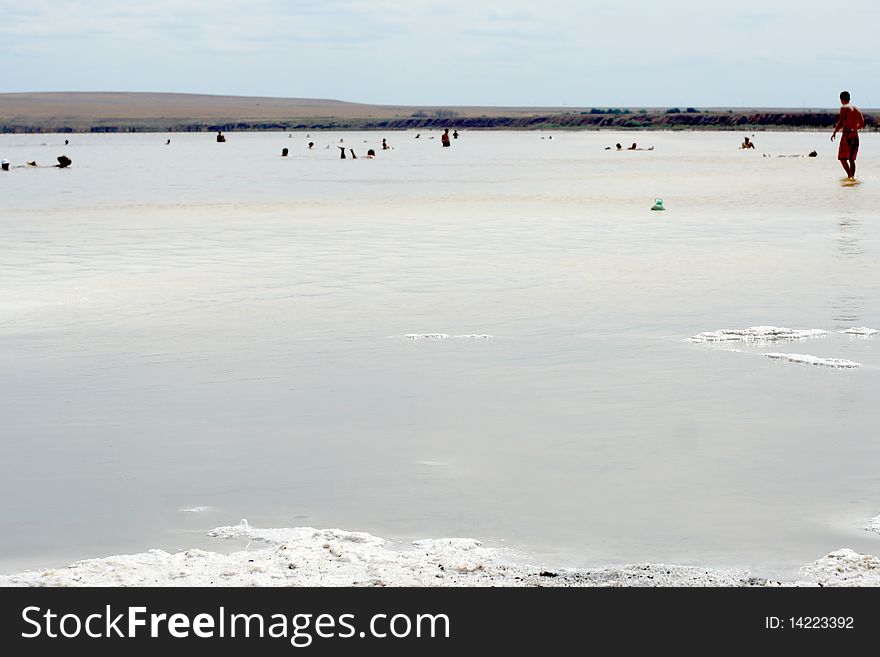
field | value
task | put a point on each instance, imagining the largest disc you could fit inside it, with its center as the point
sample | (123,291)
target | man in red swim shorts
(850,122)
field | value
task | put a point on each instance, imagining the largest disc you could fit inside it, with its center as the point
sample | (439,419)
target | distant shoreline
(150,112)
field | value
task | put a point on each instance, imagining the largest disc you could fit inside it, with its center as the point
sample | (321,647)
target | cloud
(456,51)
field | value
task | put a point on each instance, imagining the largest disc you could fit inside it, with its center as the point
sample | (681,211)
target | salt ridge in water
(860,330)
(445,336)
(304,556)
(757,334)
(815,360)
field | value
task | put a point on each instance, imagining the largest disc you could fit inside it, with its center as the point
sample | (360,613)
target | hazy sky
(785,53)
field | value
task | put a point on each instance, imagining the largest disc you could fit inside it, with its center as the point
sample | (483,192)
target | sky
(577,53)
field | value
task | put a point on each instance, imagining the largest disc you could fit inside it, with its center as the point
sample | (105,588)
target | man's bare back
(851,119)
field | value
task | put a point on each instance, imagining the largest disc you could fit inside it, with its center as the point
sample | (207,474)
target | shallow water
(212,325)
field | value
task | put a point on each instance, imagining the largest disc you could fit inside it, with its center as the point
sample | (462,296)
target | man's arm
(839,123)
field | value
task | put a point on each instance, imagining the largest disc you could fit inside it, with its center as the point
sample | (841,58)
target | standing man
(850,122)
(444,139)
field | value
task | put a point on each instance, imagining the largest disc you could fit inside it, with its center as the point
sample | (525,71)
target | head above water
(844,97)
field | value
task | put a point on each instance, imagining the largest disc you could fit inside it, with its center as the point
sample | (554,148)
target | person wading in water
(850,122)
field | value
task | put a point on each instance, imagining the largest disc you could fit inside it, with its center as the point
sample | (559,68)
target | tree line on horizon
(596,118)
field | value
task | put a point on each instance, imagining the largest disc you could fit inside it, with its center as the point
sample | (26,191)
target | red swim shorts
(849,146)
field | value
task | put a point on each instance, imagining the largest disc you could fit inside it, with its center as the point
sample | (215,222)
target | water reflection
(848,308)
(848,239)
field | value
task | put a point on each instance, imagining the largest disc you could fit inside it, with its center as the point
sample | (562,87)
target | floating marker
(658,204)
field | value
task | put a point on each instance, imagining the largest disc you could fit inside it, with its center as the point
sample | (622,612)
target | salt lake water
(212,325)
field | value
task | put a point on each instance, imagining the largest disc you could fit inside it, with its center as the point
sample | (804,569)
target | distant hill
(144,112)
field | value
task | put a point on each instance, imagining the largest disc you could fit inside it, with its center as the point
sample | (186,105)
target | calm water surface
(207,324)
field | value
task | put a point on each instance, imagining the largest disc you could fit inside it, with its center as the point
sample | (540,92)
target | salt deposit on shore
(305,556)
(757,334)
(844,568)
(815,360)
